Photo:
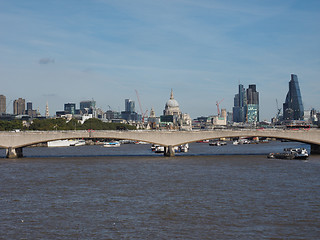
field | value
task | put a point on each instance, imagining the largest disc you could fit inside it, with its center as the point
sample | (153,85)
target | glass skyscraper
(240,105)
(129,105)
(246,105)
(252,104)
(293,107)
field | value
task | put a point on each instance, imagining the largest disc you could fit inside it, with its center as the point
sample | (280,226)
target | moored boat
(111,144)
(159,149)
(218,143)
(66,143)
(290,154)
(184,148)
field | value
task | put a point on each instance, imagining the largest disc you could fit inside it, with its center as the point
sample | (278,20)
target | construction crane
(218,106)
(278,110)
(143,114)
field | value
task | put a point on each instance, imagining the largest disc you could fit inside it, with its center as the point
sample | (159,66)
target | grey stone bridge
(14,142)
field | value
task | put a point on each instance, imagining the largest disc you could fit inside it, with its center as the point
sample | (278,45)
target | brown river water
(227,192)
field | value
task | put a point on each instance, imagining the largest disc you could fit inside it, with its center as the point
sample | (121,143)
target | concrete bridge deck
(15,141)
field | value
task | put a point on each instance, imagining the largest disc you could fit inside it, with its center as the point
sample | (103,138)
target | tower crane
(278,110)
(218,106)
(143,114)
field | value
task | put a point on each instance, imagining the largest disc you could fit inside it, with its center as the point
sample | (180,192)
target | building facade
(70,108)
(3,104)
(19,106)
(88,106)
(293,107)
(30,112)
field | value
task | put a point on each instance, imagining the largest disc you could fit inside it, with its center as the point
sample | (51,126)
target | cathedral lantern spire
(171,96)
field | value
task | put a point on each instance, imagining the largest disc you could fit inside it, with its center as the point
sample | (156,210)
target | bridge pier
(168,151)
(14,152)
(315,149)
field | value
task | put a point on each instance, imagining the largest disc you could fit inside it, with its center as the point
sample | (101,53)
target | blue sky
(69,51)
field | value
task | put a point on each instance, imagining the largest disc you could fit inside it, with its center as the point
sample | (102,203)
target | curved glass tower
(293,107)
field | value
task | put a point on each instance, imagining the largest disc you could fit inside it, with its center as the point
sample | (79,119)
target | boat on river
(159,149)
(290,154)
(112,144)
(218,143)
(66,143)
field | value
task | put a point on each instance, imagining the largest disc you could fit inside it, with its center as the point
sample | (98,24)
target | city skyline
(62,52)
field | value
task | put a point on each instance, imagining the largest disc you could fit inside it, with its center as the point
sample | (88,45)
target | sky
(60,52)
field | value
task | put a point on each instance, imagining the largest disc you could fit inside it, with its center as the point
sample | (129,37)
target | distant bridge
(14,142)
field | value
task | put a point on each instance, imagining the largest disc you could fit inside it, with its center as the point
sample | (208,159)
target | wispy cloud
(46,60)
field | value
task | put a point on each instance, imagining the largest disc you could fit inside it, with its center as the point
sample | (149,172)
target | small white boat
(78,143)
(62,143)
(218,143)
(139,142)
(236,142)
(184,148)
(111,144)
(159,149)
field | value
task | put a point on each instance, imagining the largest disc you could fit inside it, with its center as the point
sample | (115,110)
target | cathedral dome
(172,103)
(172,106)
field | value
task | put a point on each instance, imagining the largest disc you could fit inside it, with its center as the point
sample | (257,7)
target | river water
(227,192)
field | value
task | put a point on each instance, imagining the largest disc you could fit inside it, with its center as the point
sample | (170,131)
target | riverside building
(3,104)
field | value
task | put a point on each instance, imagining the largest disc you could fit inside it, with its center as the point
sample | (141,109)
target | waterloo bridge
(14,142)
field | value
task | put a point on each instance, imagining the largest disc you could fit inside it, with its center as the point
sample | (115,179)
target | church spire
(47,110)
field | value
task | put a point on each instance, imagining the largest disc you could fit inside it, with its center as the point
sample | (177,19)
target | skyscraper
(129,114)
(252,104)
(246,105)
(293,107)
(19,106)
(240,105)
(3,104)
(129,105)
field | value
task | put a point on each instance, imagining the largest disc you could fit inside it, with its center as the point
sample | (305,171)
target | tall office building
(30,112)
(240,105)
(29,106)
(88,106)
(129,106)
(70,108)
(293,107)
(246,105)
(252,104)
(3,104)
(19,106)
(130,114)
